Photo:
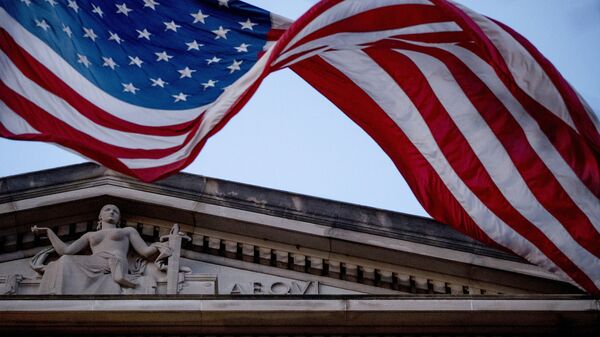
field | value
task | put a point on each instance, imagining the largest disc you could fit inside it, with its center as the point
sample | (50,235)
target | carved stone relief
(118,261)
(9,284)
(115,260)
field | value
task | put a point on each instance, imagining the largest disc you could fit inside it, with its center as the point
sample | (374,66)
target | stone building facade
(246,260)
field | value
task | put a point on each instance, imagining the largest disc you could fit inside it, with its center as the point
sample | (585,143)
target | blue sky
(290,138)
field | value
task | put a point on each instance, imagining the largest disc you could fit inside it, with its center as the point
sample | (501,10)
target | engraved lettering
(280,288)
(236,290)
(301,289)
(258,288)
(275,288)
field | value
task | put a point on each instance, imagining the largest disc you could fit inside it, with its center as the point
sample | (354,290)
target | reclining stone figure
(108,269)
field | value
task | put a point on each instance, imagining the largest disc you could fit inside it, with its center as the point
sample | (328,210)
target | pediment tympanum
(309,243)
(113,260)
(137,255)
(259,259)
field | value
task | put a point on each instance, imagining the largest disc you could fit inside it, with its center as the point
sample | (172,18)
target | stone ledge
(333,314)
(293,303)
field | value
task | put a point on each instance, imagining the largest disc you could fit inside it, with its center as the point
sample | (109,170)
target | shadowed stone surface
(266,201)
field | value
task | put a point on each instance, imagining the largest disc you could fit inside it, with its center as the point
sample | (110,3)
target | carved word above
(275,288)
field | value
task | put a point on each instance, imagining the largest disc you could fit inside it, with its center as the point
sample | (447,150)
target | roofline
(267,201)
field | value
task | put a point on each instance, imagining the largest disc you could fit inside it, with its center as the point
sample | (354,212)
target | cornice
(249,198)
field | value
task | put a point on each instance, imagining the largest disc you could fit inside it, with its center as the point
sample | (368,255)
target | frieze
(111,260)
(275,288)
(186,239)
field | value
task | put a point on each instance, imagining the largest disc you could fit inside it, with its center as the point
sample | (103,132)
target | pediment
(251,240)
(204,278)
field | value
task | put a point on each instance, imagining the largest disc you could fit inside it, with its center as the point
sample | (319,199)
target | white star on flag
(247,24)
(163,56)
(235,66)
(221,33)
(199,17)
(209,84)
(158,82)
(115,37)
(224,3)
(186,72)
(67,30)
(151,3)
(122,9)
(129,88)
(73,4)
(83,60)
(135,61)
(145,34)
(42,24)
(109,62)
(180,97)
(51,2)
(171,26)
(214,59)
(89,33)
(243,48)
(97,10)
(194,45)
(26,2)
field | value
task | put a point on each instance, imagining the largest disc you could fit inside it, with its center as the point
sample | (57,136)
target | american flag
(131,84)
(490,137)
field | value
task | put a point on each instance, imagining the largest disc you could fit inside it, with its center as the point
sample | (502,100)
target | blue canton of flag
(164,55)
(137,85)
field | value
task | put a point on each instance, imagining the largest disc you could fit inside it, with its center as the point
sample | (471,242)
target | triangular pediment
(252,240)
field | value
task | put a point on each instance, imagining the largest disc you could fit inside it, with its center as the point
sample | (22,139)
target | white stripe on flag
(344,10)
(589,110)
(120,109)
(349,40)
(13,122)
(280,22)
(527,72)
(57,107)
(497,162)
(212,117)
(378,84)
(573,186)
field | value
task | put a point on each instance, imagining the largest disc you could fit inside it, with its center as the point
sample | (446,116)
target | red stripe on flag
(275,34)
(46,79)
(379,19)
(471,29)
(461,156)
(585,163)
(540,180)
(573,148)
(578,112)
(305,19)
(415,169)
(24,136)
(60,131)
(418,173)
(438,37)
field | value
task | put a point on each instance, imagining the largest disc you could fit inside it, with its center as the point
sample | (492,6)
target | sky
(289,137)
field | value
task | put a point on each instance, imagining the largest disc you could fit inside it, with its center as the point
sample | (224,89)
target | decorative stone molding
(112,267)
(331,316)
(69,194)
(9,284)
(347,268)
